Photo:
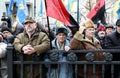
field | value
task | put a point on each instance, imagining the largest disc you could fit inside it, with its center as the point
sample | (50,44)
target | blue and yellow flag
(41,9)
(10,8)
(69,4)
(22,11)
(116,11)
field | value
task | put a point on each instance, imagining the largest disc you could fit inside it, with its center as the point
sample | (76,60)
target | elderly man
(109,29)
(85,39)
(60,43)
(32,42)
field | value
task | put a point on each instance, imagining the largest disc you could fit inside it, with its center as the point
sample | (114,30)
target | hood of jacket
(80,37)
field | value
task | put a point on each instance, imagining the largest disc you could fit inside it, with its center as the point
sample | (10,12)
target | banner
(10,8)
(56,9)
(97,13)
(22,10)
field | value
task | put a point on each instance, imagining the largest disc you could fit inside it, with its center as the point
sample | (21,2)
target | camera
(6,18)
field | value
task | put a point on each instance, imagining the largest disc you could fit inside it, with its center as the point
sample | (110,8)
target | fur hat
(88,24)
(101,28)
(61,30)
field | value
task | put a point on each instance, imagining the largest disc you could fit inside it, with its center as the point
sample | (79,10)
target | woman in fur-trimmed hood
(84,40)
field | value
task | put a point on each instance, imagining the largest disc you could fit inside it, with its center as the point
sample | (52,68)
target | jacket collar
(36,33)
(80,37)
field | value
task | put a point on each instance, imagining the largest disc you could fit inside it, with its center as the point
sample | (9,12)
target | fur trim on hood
(80,37)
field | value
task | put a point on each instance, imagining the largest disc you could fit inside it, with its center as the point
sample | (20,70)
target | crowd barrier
(71,59)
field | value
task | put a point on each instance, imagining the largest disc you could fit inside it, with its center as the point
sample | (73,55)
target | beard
(29,29)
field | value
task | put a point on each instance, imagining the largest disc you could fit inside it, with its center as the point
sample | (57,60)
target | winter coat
(102,41)
(113,42)
(78,42)
(3,60)
(41,43)
(2,49)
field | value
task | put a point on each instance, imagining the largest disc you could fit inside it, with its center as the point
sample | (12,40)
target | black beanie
(61,30)
(5,28)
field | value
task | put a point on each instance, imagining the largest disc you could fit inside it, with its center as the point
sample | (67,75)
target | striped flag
(41,9)
(116,10)
(97,13)
(57,10)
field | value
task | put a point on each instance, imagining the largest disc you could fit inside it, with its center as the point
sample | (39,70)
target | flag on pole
(22,11)
(57,10)
(71,4)
(10,8)
(41,9)
(116,10)
(97,13)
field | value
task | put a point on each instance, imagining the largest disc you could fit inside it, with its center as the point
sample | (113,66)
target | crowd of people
(33,38)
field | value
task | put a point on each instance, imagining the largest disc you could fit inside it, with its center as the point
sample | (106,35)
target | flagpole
(48,26)
(78,11)
(34,8)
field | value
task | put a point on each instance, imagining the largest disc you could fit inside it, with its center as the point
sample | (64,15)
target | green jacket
(39,41)
(41,44)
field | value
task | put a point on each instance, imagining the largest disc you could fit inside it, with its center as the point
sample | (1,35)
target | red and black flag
(98,12)
(57,10)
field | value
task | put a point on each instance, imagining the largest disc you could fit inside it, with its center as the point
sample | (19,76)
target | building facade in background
(35,9)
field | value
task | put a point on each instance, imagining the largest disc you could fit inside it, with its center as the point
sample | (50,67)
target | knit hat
(101,28)
(29,19)
(88,24)
(61,30)
(5,28)
(118,22)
